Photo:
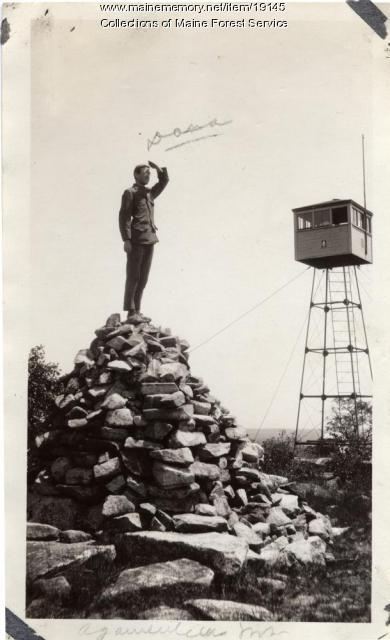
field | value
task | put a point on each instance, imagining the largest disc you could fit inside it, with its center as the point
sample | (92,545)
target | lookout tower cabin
(331,234)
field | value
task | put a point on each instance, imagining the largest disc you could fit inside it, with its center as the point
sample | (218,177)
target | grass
(341,592)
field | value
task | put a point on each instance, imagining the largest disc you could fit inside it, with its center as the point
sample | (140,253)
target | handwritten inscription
(185,135)
(249,632)
(180,629)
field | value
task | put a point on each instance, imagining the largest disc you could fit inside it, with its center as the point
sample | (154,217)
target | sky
(296,102)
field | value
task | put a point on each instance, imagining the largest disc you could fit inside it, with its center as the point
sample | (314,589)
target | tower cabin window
(359,219)
(305,220)
(322,218)
(340,215)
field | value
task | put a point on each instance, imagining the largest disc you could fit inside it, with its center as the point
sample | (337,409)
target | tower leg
(304,358)
(363,322)
(351,347)
(324,354)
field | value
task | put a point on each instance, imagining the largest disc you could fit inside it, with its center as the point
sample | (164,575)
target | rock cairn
(141,456)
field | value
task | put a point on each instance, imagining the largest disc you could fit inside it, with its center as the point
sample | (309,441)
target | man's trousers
(139,261)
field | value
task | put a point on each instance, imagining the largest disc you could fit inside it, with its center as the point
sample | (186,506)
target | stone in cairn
(142,440)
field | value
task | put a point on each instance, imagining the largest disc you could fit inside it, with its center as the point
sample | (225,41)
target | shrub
(279,454)
(44,384)
(351,455)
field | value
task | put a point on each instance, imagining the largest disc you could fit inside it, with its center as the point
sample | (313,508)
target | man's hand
(127,246)
(153,165)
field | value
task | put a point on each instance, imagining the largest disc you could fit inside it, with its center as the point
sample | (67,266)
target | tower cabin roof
(332,203)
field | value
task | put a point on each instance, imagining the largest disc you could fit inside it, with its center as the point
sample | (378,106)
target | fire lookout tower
(335,238)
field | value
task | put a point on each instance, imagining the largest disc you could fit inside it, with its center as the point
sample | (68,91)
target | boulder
(228,610)
(56,589)
(105,377)
(272,482)
(205,510)
(176,505)
(170,476)
(224,553)
(262,528)
(205,471)
(139,421)
(117,484)
(201,408)
(165,613)
(156,525)
(254,541)
(195,523)
(119,418)
(114,434)
(173,370)
(278,517)
(137,461)
(47,559)
(83,356)
(304,552)
(252,452)
(221,505)
(165,519)
(213,434)
(119,365)
(183,413)
(150,388)
(147,510)
(173,400)
(178,576)
(203,421)
(107,470)
(242,497)
(211,452)
(118,343)
(132,443)
(235,433)
(287,502)
(77,412)
(124,523)
(137,486)
(271,586)
(78,423)
(249,473)
(37,531)
(56,511)
(186,439)
(114,320)
(320,527)
(72,535)
(116,505)
(114,401)
(182,456)
(158,430)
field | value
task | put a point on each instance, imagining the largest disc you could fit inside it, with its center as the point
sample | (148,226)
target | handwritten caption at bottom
(181,629)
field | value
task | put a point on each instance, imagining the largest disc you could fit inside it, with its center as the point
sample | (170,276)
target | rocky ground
(149,499)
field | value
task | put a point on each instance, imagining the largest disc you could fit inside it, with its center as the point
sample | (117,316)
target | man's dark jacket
(136,215)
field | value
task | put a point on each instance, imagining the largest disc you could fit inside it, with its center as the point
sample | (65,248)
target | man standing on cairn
(138,231)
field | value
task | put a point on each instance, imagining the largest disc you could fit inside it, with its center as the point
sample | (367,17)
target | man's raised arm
(163,179)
